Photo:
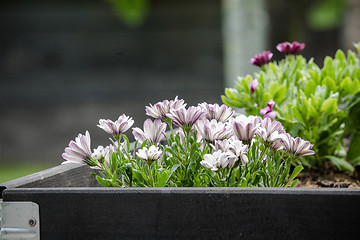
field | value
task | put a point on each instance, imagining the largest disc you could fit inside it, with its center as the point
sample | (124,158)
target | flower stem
(229,177)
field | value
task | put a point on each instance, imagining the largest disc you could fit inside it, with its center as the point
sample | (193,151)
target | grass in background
(10,172)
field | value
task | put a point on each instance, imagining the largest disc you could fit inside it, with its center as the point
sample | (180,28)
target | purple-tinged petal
(253,85)
(265,110)
(271,115)
(290,48)
(261,58)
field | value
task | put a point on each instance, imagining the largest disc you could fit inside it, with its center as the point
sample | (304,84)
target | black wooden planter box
(73,206)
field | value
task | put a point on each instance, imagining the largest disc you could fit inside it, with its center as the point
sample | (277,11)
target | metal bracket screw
(32,222)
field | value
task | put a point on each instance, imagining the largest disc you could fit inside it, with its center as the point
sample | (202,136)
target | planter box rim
(189,190)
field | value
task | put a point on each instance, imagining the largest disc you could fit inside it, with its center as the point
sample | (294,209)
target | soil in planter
(328,177)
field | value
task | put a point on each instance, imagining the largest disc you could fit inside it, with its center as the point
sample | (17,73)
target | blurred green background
(9,172)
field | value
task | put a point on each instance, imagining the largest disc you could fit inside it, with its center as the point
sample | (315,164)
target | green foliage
(320,105)
(12,171)
(326,14)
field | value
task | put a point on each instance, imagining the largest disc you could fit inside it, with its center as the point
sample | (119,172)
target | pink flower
(160,109)
(261,58)
(253,85)
(79,151)
(268,111)
(290,48)
(153,131)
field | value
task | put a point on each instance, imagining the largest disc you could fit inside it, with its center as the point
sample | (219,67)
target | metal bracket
(19,220)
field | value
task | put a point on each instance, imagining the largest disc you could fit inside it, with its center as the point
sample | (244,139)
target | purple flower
(153,131)
(213,130)
(79,151)
(161,109)
(268,111)
(118,127)
(261,58)
(290,48)
(186,118)
(220,113)
(150,154)
(296,146)
(245,127)
(253,85)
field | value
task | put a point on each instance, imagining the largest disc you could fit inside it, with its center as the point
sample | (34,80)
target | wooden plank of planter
(65,175)
(194,213)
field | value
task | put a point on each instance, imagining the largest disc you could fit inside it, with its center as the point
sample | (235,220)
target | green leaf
(294,183)
(128,171)
(230,103)
(102,181)
(114,165)
(272,88)
(127,143)
(143,144)
(357,46)
(353,152)
(340,163)
(166,176)
(315,76)
(279,95)
(330,84)
(162,180)
(340,55)
(356,161)
(329,106)
(328,69)
(245,180)
(267,97)
(230,93)
(138,176)
(193,149)
(313,113)
(310,88)
(297,114)
(295,172)
(346,86)
(355,86)
(351,57)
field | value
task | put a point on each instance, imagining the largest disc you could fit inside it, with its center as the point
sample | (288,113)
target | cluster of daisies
(217,126)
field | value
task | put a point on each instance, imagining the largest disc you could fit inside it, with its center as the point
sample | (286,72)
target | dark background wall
(66,64)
